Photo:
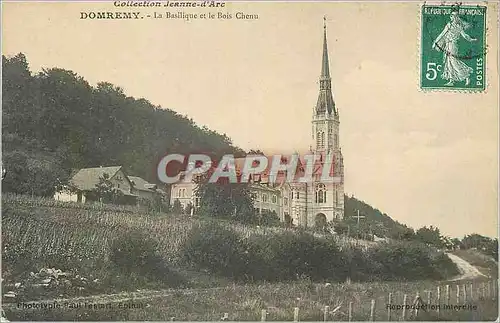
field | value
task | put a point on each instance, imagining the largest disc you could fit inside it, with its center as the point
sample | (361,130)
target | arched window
(320,196)
(320,139)
(274,199)
(264,198)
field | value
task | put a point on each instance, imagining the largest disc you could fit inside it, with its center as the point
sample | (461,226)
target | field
(57,253)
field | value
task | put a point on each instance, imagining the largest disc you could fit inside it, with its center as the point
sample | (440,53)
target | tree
(106,191)
(269,218)
(255,152)
(402,233)
(429,235)
(340,228)
(16,180)
(484,244)
(456,243)
(32,174)
(224,199)
(177,207)
(58,113)
(188,208)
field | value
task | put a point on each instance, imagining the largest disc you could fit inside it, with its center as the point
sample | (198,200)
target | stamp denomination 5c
(453,48)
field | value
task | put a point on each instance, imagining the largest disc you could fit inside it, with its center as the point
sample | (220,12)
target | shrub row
(135,254)
(283,256)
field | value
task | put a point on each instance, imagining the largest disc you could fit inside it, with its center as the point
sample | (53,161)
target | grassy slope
(89,231)
(486,265)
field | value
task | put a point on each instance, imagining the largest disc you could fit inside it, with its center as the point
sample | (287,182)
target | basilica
(308,204)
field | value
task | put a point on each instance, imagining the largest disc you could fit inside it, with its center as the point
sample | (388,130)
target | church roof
(264,177)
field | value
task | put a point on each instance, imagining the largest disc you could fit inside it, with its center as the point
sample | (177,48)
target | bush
(176,207)
(443,266)
(269,218)
(340,228)
(359,265)
(408,261)
(216,249)
(135,253)
(188,208)
(289,256)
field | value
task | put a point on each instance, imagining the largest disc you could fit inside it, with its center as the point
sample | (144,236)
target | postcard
(250,161)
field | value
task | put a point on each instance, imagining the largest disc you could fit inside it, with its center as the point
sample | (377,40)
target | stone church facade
(304,204)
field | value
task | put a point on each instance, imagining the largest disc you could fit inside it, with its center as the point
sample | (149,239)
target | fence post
(438,294)
(263,315)
(458,294)
(417,297)
(389,307)
(429,298)
(483,288)
(372,311)
(464,289)
(495,289)
(350,311)
(488,291)
(327,309)
(447,294)
(405,298)
(296,314)
(471,292)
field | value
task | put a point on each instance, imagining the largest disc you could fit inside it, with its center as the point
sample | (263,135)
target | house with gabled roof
(144,189)
(83,182)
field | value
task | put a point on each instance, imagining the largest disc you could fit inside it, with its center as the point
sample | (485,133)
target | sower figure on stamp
(454,69)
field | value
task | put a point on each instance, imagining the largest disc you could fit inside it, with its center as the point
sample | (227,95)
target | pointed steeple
(325,99)
(325,68)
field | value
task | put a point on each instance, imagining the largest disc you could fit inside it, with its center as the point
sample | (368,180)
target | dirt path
(467,271)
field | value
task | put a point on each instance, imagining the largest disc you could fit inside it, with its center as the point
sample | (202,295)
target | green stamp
(453,47)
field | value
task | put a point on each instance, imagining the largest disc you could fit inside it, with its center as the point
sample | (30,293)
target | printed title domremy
(178,4)
(304,204)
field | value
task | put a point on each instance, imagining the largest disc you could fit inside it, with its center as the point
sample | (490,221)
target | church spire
(325,68)
(325,99)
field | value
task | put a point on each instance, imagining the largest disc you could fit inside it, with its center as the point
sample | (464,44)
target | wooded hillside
(55,120)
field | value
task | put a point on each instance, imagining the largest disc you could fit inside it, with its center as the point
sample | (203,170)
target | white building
(305,204)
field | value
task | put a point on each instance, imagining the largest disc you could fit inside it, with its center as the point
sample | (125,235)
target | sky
(424,158)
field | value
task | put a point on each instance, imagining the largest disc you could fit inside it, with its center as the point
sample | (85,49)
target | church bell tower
(325,121)
(325,135)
